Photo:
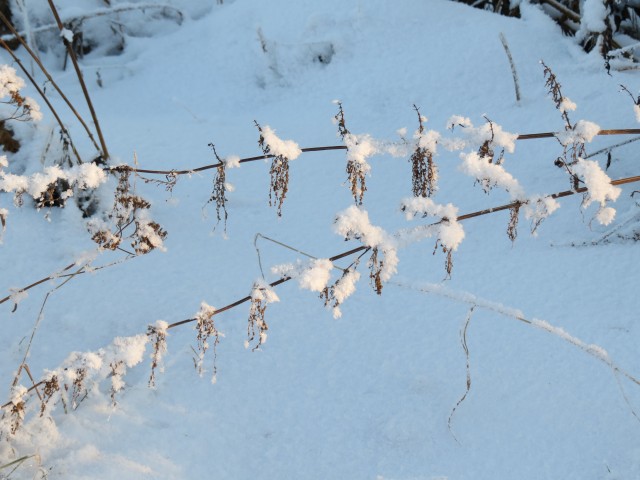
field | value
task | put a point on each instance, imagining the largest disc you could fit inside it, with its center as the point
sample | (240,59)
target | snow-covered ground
(540,332)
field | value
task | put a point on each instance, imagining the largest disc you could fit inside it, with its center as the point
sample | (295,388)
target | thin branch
(514,73)
(528,136)
(74,60)
(46,73)
(64,130)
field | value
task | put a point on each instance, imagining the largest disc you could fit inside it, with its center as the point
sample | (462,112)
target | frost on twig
(261,295)
(283,151)
(353,223)
(424,172)
(206,328)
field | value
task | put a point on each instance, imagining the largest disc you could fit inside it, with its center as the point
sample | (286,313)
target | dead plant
(279,173)
(158,337)
(424,172)
(219,193)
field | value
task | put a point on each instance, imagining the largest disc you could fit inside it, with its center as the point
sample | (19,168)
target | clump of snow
(313,275)
(285,148)
(262,291)
(475,136)
(18,295)
(490,174)
(537,208)
(67,35)
(594,13)
(599,189)
(33,108)
(583,132)
(343,289)
(449,231)
(353,223)
(10,82)
(359,148)
(566,105)
(458,121)
(232,161)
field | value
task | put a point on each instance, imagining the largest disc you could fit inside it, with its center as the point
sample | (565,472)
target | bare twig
(514,73)
(74,60)
(50,79)
(463,341)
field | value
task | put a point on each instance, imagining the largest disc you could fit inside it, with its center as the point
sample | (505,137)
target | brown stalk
(526,136)
(74,60)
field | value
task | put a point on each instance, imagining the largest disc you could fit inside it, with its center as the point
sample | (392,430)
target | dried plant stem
(74,60)
(61,274)
(527,136)
(46,73)
(514,73)
(465,347)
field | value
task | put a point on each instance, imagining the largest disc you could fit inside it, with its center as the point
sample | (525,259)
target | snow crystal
(17,394)
(285,148)
(402,132)
(636,110)
(3,161)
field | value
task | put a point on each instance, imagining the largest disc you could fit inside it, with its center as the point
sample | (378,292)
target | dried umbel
(357,168)
(16,413)
(571,150)
(206,328)
(375,270)
(279,173)
(118,369)
(448,263)
(129,210)
(512,228)
(78,387)
(261,296)
(424,172)
(218,195)
(158,337)
(51,387)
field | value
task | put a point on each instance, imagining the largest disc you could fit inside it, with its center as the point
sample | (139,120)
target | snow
(369,395)
(285,148)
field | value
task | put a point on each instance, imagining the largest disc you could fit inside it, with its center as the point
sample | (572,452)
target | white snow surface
(365,389)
